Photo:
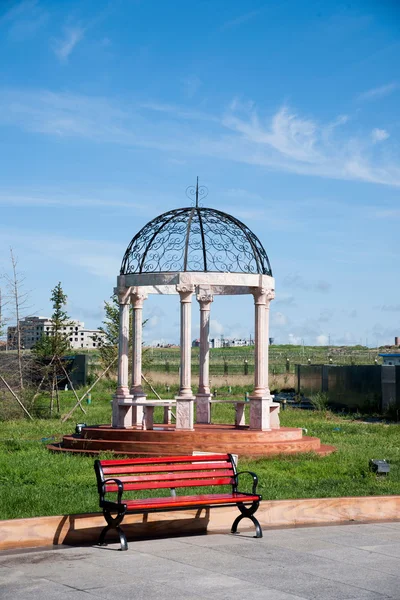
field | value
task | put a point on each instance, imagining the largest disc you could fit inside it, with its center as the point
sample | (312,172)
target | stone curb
(85,528)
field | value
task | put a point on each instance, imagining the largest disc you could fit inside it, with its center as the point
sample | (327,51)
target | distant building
(196,343)
(237,342)
(33,328)
(391,359)
(230,342)
(397,341)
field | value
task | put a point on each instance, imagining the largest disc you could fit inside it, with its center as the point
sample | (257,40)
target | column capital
(205,298)
(137,298)
(123,295)
(263,295)
(185,292)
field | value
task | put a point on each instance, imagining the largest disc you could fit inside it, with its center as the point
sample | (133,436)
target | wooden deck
(166,440)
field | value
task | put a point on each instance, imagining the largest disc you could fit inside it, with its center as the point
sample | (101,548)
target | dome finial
(196,194)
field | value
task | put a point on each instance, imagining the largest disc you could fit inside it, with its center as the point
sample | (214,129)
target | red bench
(172,472)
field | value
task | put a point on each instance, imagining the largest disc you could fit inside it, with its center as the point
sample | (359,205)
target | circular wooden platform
(164,440)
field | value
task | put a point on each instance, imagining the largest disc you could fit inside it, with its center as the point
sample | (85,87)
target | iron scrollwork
(195,239)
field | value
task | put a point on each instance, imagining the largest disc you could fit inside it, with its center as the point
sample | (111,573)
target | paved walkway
(326,563)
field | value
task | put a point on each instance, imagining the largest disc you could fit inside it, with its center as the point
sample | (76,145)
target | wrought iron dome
(195,239)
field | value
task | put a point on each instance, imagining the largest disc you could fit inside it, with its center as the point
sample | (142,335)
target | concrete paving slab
(324,563)
(357,556)
(385,549)
(307,585)
(206,587)
(358,577)
(139,589)
(37,587)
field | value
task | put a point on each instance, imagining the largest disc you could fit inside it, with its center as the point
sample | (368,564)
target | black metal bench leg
(103,536)
(247,513)
(257,526)
(236,523)
(113,523)
(122,538)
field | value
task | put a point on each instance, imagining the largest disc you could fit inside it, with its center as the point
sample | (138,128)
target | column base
(260,413)
(203,408)
(184,412)
(122,410)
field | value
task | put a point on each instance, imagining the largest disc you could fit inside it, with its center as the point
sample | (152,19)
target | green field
(35,482)
(282,358)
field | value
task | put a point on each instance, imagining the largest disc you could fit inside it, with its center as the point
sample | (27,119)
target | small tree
(109,343)
(57,343)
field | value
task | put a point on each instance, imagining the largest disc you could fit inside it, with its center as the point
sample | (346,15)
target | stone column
(203,396)
(185,399)
(122,411)
(137,299)
(260,400)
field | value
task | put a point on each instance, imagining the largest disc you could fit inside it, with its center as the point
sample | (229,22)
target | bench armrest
(236,480)
(120,489)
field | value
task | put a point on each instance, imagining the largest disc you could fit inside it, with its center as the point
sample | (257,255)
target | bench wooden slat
(166,460)
(172,477)
(161,484)
(181,501)
(165,468)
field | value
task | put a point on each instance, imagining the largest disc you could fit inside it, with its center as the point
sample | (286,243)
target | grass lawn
(34,482)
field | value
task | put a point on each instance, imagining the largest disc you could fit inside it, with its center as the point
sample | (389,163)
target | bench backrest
(166,472)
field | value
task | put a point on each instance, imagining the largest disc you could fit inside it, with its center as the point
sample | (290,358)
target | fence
(356,387)
(240,361)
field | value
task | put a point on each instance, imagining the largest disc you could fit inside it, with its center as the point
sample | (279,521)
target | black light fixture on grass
(380,467)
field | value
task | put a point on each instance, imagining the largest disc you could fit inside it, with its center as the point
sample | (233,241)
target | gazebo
(194,253)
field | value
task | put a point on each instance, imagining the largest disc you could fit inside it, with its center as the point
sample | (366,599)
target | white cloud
(216,328)
(290,142)
(379,92)
(379,135)
(288,134)
(294,339)
(294,280)
(390,307)
(51,199)
(24,20)
(388,213)
(284,299)
(322,340)
(65,46)
(278,318)
(96,257)
(284,142)
(152,321)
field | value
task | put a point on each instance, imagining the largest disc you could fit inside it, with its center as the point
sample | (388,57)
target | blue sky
(288,112)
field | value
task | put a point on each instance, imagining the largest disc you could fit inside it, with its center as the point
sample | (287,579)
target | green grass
(35,482)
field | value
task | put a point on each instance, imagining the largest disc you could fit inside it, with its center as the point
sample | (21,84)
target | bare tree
(1,315)
(18,299)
